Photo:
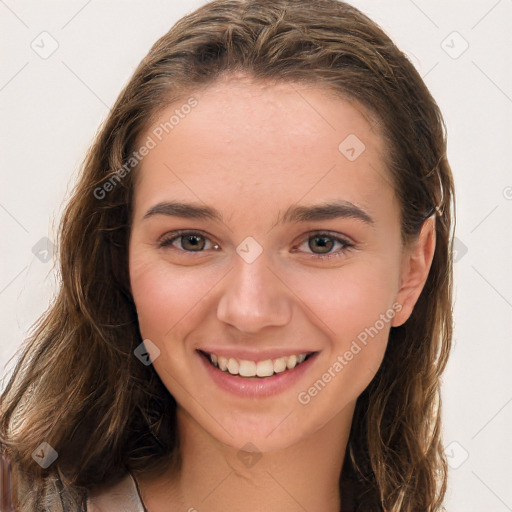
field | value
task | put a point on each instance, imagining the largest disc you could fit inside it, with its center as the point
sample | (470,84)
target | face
(236,259)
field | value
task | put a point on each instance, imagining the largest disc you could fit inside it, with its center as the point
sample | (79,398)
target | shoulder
(121,497)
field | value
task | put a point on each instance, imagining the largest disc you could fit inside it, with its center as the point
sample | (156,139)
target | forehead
(247,143)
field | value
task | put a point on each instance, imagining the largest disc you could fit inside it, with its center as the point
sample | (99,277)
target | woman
(256,268)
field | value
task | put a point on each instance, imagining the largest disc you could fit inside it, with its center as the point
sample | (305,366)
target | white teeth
(280,365)
(292,362)
(233,366)
(247,368)
(265,368)
(223,363)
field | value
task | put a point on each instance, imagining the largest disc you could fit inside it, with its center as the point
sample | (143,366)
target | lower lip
(257,387)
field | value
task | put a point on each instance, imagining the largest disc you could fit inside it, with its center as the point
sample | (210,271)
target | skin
(252,150)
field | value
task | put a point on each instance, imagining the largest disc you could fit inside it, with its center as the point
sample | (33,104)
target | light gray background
(52,105)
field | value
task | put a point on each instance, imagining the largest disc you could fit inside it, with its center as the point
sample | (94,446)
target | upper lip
(251,355)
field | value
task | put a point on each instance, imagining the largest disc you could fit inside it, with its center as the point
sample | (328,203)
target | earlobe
(416,264)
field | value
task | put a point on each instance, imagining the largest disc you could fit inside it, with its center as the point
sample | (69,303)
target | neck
(304,476)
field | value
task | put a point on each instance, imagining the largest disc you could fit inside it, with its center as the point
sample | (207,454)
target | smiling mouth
(256,369)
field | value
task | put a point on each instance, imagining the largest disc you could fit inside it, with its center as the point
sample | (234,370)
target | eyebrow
(184,210)
(326,211)
(294,214)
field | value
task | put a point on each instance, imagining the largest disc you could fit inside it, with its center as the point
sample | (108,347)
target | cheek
(164,296)
(354,307)
(168,302)
(349,299)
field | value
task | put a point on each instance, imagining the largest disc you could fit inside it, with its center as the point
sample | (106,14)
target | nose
(254,297)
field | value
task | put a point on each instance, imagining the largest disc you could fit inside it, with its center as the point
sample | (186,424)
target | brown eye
(186,241)
(323,243)
(192,242)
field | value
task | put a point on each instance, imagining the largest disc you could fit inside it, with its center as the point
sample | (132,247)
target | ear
(416,261)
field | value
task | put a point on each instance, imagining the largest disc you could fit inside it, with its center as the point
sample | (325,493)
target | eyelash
(167,240)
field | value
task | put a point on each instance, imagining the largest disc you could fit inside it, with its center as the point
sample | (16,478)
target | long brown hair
(77,384)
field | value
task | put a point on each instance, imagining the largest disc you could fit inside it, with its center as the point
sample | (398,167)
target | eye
(194,241)
(324,242)
(188,241)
